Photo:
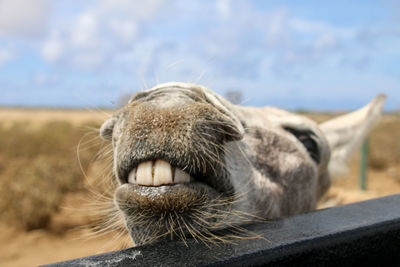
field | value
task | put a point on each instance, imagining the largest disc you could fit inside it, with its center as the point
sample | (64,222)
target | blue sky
(295,54)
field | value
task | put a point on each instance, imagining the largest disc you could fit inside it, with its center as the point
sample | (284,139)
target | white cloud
(223,8)
(307,26)
(137,10)
(276,27)
(45,79)
(85,32)
(124,30)
(228,38)
(5,55)
(317,27)
(52,48)
(23,18)
(236,43)
(89,61)
(100,33)
(292,57)
(325,41)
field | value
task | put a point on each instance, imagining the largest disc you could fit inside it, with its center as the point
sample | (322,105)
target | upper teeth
(157,173)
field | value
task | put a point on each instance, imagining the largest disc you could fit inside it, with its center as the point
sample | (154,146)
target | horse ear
(107,128)
(347,132)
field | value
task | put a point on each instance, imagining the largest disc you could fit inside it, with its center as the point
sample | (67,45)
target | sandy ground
(65,241)
(67,238)
(40,116)
(347,190)
(41,247)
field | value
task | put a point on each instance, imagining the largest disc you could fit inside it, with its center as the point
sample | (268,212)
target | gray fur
(247,163)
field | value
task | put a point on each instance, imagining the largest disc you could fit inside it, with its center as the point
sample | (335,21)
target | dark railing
(360,234)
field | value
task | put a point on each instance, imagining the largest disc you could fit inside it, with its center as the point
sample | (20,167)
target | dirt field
(40,116)
(62,237)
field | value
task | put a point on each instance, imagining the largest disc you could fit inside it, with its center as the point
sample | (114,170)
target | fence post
(363,165)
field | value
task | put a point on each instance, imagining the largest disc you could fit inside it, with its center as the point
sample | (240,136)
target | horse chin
(152,213)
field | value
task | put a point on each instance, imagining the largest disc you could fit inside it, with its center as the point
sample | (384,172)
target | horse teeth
(132,176)
(144,175)
(162,173)
(181,176)
(156,173)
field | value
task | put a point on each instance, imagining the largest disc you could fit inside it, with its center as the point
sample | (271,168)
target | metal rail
(365,233)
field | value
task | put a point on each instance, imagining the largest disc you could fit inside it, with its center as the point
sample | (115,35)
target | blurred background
(66,65)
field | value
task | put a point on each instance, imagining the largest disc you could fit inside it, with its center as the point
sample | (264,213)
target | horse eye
(306,138)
